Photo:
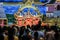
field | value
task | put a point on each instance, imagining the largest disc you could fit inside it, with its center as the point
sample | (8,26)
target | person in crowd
(50,33)
(41,32)
(39,24)
(5,28)
(55,28)
(59,33)
(32,27)
(21,32)
(11,33)
(36,35)
(27,36)
(1,33)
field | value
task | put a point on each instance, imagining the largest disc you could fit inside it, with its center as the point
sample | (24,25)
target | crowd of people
(35,32)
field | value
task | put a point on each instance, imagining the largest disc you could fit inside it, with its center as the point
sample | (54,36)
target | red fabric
(28,21)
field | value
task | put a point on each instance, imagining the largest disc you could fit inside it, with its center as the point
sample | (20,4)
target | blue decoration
(42,9)
(11,0)
(14,8)
(31,10)
(11,9)
(43,1)
(25,9)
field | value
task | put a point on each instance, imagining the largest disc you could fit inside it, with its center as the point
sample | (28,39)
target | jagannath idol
(27,18)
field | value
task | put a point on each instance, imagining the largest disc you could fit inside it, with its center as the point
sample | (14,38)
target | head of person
(36,35)
(28,26)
